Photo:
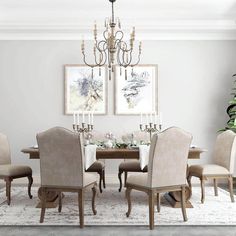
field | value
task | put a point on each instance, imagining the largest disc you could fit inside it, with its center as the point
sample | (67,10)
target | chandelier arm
(101,48)
(138,60)
(104,34)
(118,55)
(126,49)
(119,39)
(86,63)
(105,59)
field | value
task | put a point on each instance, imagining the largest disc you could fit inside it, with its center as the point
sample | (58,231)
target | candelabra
(85,128)
(151,128)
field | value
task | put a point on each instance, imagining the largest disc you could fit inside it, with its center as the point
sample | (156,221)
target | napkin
(89,155)
(143,155)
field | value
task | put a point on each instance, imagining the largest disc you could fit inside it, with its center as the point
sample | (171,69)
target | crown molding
(165,30)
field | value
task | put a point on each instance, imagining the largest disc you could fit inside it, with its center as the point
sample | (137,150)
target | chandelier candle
(112,49)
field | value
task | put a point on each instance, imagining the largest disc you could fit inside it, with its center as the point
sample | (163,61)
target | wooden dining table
(128,153)
(115,153)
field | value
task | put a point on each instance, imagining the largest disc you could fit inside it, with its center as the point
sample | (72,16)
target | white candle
(89,120)
(146,118)
(77,118)
(151,117)
(83,117)
(160,118)
(155,118)
(92,119)
(141,118)
(74,118)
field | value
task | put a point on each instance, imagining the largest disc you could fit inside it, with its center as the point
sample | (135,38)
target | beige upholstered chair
(132,165)
(166,169)
(129,166)
(99,167)
(222,167)
(62,167)
(8,171)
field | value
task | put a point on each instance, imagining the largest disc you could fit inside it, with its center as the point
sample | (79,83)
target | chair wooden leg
(215,187)
(94,190)
(100,180)
(60,201)
(202,190)
(126,175)
(151,209)
(8,190)
(103,178)
(158,202)
(81,208)
(29,186)
(183,207)
(230,180)
(127,194)
(189,182)
(43,202)
(120,179)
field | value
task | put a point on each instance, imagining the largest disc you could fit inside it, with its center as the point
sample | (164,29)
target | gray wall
(194,88)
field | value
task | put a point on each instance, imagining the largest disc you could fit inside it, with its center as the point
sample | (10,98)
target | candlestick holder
(85,128)
(151,128)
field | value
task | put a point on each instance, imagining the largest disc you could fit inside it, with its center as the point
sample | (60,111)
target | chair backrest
(225,150)
(5,154)
(168,158)
(61,158)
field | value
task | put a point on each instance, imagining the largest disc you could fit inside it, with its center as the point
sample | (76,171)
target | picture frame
(139,93)
(85,90)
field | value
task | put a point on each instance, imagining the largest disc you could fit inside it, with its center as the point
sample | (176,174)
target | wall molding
(171,31)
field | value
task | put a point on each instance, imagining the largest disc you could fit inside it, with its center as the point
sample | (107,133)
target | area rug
(111,207)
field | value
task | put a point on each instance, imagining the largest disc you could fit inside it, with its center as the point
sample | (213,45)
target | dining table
(173,198)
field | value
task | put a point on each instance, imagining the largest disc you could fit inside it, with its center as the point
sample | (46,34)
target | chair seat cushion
(14,170)
(96,166)
(139,179)
(89,178)
(131,166)
(210,169)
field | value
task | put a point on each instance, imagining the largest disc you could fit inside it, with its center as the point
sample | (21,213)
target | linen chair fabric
(129,166)
(62,167)
(223,164)
(167,169)
(9,171)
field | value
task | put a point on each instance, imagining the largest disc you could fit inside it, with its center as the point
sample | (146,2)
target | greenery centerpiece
(231,111)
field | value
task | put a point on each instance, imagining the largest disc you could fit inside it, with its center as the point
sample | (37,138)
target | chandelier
(112,49)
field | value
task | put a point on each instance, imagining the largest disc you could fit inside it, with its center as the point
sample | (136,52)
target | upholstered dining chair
(99,167)
(132,165)
(223,164)
(9,171)
(167,168)
(62,167)
(129,166)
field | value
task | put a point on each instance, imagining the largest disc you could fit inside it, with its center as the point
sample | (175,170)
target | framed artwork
(85,90)
(139,93)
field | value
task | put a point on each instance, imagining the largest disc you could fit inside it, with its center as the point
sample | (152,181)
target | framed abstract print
(85,90)
(139,92)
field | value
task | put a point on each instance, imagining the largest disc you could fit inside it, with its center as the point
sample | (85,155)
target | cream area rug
(111,208)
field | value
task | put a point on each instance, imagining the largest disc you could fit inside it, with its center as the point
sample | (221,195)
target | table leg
(174,198)
(52,199)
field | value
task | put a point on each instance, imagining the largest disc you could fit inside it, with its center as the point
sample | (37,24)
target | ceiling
(154,19)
